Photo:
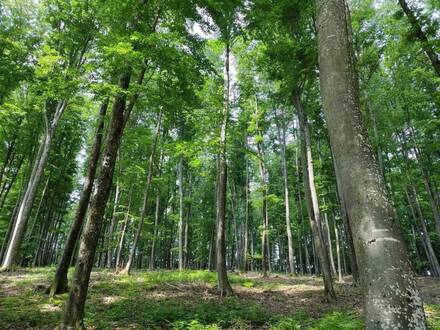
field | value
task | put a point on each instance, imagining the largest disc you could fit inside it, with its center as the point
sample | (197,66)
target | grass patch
(174,300)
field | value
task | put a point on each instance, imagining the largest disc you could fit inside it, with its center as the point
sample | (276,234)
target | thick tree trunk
(224,287)
(392,299)
(417,30)
(31,190)
(59,283)
(311,197)
(145,200)
(74,310)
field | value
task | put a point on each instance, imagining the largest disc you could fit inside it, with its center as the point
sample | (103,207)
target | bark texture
(392,300)
(59,283)
(224,287)
(74,310)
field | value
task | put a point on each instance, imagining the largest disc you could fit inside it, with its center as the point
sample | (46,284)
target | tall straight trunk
(224,287)
(145,199)
(112,226)
(74,309)
(156,218)
(432,258)
(236,251)
(311,197)
(188,218)
(59,283)
(282,138)
(124,231)
(265,249)
(417,29)
(246,221)
(392,299)
(181,219)
(25,208)
(338,251)
(329,244)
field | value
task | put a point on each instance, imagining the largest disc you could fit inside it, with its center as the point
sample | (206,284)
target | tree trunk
(31,190)
(311,197)
(113,226)
(59,283)
(181,220)
(156,218)
(74,310)
(391,296)
(224,287)
(145,200)
(291,254)
(432,258)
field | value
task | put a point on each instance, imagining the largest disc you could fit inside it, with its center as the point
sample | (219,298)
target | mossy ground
(187,300)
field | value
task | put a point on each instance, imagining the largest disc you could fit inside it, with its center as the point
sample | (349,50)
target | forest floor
(189,300)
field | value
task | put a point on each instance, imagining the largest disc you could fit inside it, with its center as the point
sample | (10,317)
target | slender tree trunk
(417,29)
(59,283)
(74,310)
(181,220)
(435,266)
(338,251)
(311,197)
(391,296)
(224,287)
(156,218)
(124,231)
(113,226)
(329,244)
(246,221)
(31,190)
(145,200)
(282,138)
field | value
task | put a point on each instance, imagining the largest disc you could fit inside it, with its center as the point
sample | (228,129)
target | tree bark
(74,310)
(59,283)
(291,254)
(224,287)
(181,220)
(31,190)
(311,197)
(145,200)
(392,299)
(156,219)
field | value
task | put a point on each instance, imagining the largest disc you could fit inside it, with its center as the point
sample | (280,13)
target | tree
(391,295)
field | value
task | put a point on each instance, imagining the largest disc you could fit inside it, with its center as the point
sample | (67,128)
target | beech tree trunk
(156,219)
(291,254)
(181,220)
(111,229)
(27,201)
(311,197)
(59,283)
(74,309)
(224,287)
(392,299)
(145,200)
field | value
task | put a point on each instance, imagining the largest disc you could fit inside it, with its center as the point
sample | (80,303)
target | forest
(220,164)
